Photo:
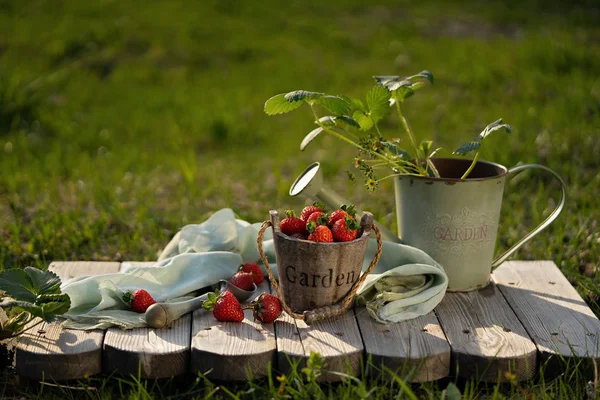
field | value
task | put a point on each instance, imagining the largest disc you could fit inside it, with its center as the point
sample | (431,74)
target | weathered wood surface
(486,338)
(531,310)
(556,318)
(337,340)
(416,348)
(51,353)
(153,353)
(232,351)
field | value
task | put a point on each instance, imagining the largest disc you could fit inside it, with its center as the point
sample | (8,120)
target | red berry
(292,224)
(316,217)
(308,210)
(243,280)
(344,230)
(138,301)
(255,270)
(321,233)
(226,308)
(341,213)
(266,308)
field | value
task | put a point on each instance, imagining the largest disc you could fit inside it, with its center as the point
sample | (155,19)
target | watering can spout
(310,184)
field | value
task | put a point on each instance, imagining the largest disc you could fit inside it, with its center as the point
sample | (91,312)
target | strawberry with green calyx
(319,217)
(138,301)
(308,210)
(319,233)
(266,308)
(345,210)
(345,230)
(292,224)
(225,307)
(243,280)
(255,270)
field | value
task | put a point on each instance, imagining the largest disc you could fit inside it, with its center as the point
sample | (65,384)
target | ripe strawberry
(225,307)
(292,224)
(255,270)
(308,210)
(318,217)
(345,230)
(319,233)
(243,280)
(138,301)
(266,308)
(341,213)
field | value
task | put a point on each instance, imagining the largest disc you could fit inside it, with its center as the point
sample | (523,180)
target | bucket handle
(321,313)
(563,198)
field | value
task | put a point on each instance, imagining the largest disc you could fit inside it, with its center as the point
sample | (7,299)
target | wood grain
(153,353)
(49,352)
(556,317)
(486,338)
(337,340)
(416,349)
(231,350)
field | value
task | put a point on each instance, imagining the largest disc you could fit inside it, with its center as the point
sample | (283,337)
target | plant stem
(468,171)
(411,136)
(345,139)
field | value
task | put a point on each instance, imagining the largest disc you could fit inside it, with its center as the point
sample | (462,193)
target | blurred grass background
(120,122)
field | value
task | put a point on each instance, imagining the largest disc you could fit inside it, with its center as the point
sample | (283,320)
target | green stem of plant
(411,136)
(468,171)
(345,139)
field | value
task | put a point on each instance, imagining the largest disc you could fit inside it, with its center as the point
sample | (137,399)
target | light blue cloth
(406,282)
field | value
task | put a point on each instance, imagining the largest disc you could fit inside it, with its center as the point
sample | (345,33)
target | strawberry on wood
(225,307)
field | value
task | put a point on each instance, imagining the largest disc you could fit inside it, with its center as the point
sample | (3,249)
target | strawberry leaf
(334,104)
(26,284)
(278,104)
(345,120)
(396,150)
(467,148)
(378,100)
(308,138)
(298,95)
(364,121)
(494,126)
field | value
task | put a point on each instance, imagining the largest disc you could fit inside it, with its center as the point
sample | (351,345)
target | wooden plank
(486,338)
(51,353)
(554,314)
(290,351)
(416,348)
(153,353)
(230,350)
(338,341)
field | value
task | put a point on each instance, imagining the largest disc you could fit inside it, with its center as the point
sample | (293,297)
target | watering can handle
(515,170)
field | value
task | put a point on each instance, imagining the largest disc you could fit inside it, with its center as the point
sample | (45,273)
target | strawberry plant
(348,117)
(30,293)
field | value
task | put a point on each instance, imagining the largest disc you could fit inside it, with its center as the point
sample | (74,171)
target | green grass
(121,122)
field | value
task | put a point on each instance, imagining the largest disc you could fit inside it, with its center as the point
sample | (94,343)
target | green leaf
(334,104)
(308,138)
(494,126)
(426,146)
(468,148)
(390,82)
(344,119)
(378,101)
(298,95)
(356,104)
(26,284)
(396,150)
(452,392)
(54,304)
(279,105)
(423,75)
(327,120)
(364,121)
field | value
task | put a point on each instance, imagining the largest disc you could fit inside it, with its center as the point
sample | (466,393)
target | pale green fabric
(405,284)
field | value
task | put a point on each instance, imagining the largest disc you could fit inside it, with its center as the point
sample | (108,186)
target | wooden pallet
(529,316)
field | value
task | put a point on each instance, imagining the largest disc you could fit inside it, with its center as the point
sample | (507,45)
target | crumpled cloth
(406,282)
